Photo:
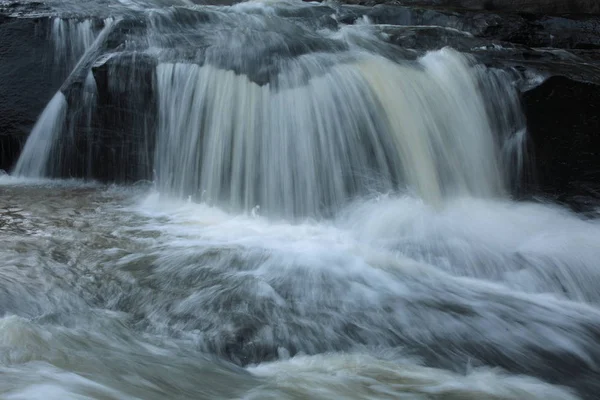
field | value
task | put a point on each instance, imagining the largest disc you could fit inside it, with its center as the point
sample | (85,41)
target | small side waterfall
(33,161)
(48,142)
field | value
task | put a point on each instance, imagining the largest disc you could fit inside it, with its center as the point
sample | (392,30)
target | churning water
(327,217)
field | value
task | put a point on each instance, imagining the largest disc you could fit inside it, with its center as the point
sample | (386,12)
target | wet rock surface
(123,109)
(565,31)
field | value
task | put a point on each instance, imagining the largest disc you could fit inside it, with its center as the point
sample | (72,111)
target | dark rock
(573,33)
(10,147)
(426,38)
(114,133)
(563,120)
(515,6)
(528,6)
(567,32)
(16,8)
(540,63)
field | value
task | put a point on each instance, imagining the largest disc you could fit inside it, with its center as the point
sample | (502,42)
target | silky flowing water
(113,292)
(317,215)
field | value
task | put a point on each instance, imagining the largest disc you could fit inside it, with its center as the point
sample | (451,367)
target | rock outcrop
(566,32)
(563,121)
(547,7)
(126,118)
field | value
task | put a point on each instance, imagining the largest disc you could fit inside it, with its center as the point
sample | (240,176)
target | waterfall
(278,116)
(302,143)
(283,199)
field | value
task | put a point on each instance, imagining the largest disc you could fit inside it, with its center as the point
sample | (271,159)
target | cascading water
(299,125)
(329,216)
(318,137)
(71,39)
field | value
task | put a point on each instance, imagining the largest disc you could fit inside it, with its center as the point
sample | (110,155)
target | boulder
(563,120)
(113,121)
(126,116)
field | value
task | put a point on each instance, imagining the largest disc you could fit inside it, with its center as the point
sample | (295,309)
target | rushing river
(318,214)
(115,292)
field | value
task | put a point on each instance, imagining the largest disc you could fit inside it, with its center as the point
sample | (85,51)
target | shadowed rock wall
(563,120)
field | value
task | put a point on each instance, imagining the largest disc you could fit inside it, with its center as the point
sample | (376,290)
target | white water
(119,294)
(348,376)
(64,374)
(358,376)
(34,158)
